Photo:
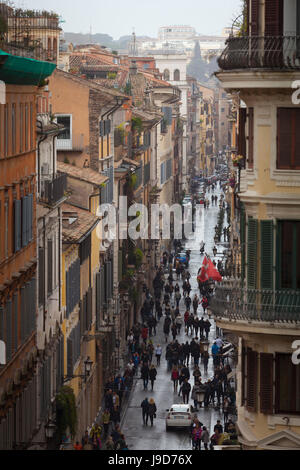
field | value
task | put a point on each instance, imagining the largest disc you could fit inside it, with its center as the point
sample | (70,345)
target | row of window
(23,222)
(34,403)
(176,75)
(17,128)
(18,318)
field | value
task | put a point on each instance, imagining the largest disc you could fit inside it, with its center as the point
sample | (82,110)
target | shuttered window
(288,138)
(288,255)
(50,267)
(24,222)
(16,321)
(41,276)
(17,225)
(242,133)
(254,17)
(267,254)
(73,349)
(252,362)
(273,17)
(244,376)
(287,396)
(252,253)
(100,296)
(72,287)
(250,138)
(9,330)
(243,240)
(266,383)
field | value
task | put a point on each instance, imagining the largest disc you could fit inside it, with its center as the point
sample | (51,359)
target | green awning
(17,70)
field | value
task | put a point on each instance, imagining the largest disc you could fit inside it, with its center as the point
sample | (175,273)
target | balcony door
(274,41)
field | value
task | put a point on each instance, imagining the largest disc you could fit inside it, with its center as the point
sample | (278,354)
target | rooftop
(82,174)
(77,223)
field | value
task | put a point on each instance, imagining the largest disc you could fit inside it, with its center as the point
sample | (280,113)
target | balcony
(261,52)
(53,191)
(75,144)
(238,304)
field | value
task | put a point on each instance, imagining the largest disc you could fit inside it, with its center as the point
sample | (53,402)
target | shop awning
(15,70)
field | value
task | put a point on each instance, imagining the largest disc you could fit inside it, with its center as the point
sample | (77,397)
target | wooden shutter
(254,17)
(243,240)
(242,134)
(30,217)
(89,308)
(244,375)
(70,357)
(284,138)
(50,267)
(252,254)
(266,383)
(8,324)
(273,17)
(267,249)
(98,299)
(17,220)
(16,320)
(250,138)
(41,276)
(252,360)
(24,222)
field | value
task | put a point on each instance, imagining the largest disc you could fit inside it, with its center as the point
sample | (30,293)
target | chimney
(133,68)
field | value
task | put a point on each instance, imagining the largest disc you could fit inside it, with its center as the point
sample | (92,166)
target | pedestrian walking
(158,353)
(152,376)
(205,437)
(175,378)
(105,421)
(167,326)
(145,375)
(145,406)
(196,435)
(152,409)
(185,389)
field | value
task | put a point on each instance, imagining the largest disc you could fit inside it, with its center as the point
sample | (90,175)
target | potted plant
(237,159)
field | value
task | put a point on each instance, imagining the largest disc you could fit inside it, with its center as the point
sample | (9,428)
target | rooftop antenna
(134,48)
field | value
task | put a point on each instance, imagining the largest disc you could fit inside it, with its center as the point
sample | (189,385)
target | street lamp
(88,364)
(50,430)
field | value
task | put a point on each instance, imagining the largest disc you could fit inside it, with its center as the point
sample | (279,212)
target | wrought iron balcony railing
(271,52)
(236,303)
(53,191)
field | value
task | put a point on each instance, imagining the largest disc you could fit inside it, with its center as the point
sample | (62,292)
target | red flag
(203,277)
(209,271)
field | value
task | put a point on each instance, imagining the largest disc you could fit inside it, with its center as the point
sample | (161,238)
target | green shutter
(243,241)
(252,253)
(267,254)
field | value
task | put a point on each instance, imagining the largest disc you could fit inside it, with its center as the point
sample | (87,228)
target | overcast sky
(119,17)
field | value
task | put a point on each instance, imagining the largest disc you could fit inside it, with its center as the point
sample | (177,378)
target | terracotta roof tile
(77,223)
(83,174)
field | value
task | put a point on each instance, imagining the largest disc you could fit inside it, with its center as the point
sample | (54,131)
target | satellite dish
(2,354)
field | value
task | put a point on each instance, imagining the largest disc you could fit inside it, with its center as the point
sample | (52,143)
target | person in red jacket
(175,378)
(186,317)
(145,333)
(204,304)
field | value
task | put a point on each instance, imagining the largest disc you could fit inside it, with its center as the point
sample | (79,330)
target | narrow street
(139,437)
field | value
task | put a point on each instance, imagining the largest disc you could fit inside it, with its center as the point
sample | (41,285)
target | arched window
(167,75)
(177,75)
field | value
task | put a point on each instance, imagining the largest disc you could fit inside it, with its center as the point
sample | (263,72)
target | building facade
(264,306)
